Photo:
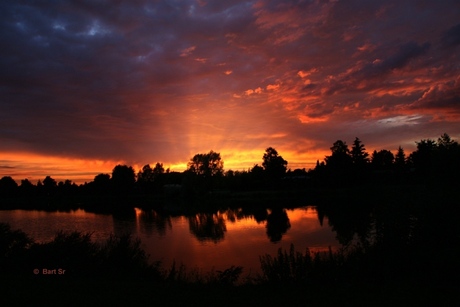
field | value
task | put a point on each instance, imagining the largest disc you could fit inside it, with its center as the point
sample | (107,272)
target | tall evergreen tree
(358,153)
(400,159)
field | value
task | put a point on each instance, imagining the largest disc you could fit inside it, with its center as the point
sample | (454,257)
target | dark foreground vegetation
(400,248)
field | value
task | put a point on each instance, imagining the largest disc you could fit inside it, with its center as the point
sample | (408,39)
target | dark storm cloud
(91,72)
(452,36)
(406,52)
(377,70)
(441,96)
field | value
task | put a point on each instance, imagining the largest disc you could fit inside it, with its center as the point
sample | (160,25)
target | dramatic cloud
(87,84)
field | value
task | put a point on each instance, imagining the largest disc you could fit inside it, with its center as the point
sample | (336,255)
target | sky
(86,85)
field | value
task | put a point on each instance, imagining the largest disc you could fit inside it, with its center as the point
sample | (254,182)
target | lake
(203,241)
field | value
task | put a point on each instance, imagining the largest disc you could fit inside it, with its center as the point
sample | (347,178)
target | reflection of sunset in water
(204,241)
(243,241)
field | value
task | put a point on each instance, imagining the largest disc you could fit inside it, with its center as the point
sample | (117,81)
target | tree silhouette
(382,160)
(257,171)
(158,169)
(340,159)
(123,178)
(255,177)
(101,182)
(145,175)
(202,171)
(448,156)
(446,143)
(423,159)
(8,186)
(400,159)
(49,185)
(436,160)
(274,165)
(26,188)
(206,165)
(359,155)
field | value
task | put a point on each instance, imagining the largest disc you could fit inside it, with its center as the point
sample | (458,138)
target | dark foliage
(154,187)
(274,165)
(80,257)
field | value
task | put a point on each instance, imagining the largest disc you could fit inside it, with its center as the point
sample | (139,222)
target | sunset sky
(85,85)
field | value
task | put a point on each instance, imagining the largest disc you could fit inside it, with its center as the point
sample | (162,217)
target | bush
(294,267)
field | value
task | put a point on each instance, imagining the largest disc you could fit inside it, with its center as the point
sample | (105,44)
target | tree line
(433,159)
(205,172)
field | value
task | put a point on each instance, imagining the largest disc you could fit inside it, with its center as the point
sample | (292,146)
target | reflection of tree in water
(349,220)
(259,214)
(234,214)
(124,221)
(150,221)
(207,226)
(277,224)
(395,224)
(388,223)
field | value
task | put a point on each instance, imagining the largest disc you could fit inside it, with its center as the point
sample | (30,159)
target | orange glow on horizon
(36,167)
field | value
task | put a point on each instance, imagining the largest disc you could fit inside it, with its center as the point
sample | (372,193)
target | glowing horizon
(35,167)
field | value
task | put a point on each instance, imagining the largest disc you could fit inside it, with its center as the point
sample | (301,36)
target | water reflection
(277,224)
(205,240)
(207,226)
(257,214)
(124,222)
(385,223)
(151,222)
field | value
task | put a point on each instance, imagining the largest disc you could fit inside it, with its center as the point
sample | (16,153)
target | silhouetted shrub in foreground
(184,276)
(294,267)
(118,272)
(77,254)
(123,256)
(73,252)
(13,247)
(119,257)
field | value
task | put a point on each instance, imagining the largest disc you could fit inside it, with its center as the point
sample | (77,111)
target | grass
(293,267)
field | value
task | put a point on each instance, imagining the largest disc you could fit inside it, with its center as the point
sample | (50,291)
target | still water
(201,241)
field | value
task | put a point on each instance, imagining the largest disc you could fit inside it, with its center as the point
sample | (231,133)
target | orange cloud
(273,87)
(253,91)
